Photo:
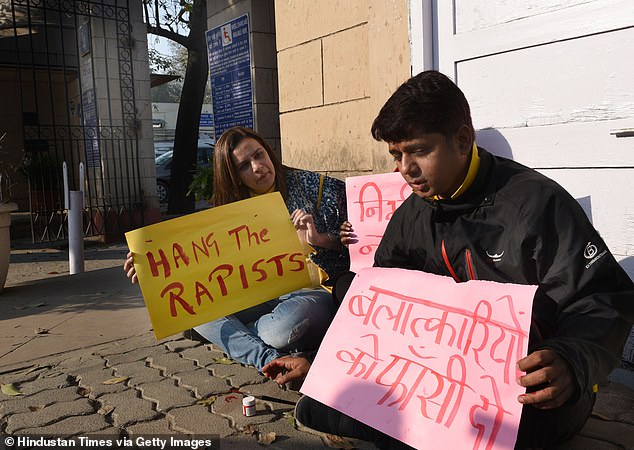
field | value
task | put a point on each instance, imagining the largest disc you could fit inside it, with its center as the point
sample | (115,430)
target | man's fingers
(548,380)
(535,360)
(552,396)
(541,376)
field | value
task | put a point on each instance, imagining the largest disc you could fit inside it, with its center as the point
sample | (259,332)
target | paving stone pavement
(100,372)
(176,387)
(169,387)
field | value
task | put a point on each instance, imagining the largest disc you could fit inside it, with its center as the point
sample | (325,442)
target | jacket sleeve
(395,249)
(585,300)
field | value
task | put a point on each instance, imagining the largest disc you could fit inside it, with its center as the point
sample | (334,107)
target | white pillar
(75,232)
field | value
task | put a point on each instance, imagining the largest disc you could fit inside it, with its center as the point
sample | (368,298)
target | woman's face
(253,165)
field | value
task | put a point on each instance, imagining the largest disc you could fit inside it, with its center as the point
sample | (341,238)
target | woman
(245,166)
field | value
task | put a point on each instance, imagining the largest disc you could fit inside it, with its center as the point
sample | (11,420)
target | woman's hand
(346,234)
(305,225)
(128,268)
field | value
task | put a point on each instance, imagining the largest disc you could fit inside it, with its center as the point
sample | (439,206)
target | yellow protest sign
(209,264)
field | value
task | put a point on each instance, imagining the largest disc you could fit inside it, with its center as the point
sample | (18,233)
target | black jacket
(515,225)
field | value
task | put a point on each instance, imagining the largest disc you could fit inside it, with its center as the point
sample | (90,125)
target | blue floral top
(329,214)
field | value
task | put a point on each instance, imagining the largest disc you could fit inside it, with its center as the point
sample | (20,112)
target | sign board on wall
(88,105)
(229,51)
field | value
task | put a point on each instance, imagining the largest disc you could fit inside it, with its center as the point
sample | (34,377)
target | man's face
(432,164)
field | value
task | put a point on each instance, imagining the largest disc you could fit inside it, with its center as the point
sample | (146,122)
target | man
(473,215)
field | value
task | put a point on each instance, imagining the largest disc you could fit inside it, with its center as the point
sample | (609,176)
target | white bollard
(76,232)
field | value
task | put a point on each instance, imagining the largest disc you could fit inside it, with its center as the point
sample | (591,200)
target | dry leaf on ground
(226,361)
(207,401)
(10,389)
(334,441)
(266,439)
(104,411)
(115,380)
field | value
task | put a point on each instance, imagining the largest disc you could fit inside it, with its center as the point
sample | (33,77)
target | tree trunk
(188,118)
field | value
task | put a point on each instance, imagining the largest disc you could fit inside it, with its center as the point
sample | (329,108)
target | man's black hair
(426,103)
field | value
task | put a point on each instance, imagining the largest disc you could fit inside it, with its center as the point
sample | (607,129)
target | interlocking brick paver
(621,435)
(171,363)
(197,420)
(616,404)
(128,407)
(129,344)
(43,382)
(138,372)
(155,427)
(243,442)
(21,403)
(93,382)
(236,374)
(166,394)
(582,443)
(288,437)
(48,414)
(19,376)
(271,394)
(203,355)
(140,354)
(85,362)
(181,344)
(111,433)
(201,383)
(69,426)
(230,406)
(173,337)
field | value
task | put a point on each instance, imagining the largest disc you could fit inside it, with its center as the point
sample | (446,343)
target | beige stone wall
(338,61)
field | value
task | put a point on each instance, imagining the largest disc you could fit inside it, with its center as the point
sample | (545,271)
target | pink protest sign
(426,360)
(372,199)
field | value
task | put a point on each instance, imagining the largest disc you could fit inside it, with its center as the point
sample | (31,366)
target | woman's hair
(426,103)
(227,185)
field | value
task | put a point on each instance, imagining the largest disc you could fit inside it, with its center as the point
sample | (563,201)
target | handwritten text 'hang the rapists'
(222,276)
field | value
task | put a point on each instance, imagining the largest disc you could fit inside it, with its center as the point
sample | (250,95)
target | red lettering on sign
(202,290)
(252,237)
(179,253)
(278,262)
(297,258)
(255,268)
(161,262)
(175,291)
(228,268)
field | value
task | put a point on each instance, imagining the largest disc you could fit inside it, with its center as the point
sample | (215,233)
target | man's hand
(128,268)
(548,380)
(287,368)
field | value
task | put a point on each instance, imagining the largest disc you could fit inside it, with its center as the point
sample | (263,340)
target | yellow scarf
(474,165)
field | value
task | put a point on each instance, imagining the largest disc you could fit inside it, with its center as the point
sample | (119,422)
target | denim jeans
(291,323)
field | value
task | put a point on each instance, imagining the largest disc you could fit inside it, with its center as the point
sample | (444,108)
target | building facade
(76,89)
